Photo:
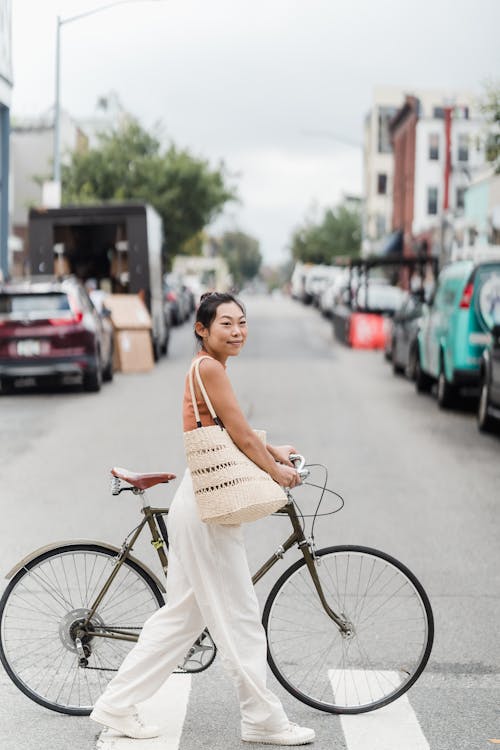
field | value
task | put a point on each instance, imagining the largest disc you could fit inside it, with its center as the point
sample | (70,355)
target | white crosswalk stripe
(392,727)
(173,699)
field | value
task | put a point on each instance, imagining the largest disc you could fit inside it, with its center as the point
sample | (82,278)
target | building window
(382,184)
(461,113)
(463,147)
(438,113)
(460,199)
(434,146)
(432,201)
(385,115)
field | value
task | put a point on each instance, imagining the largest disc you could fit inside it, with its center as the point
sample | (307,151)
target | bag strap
(195,366)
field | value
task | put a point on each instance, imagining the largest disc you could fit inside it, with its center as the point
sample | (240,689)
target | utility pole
(55,187)
(448,116)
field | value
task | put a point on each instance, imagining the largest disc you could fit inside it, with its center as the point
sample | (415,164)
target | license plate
(28,348)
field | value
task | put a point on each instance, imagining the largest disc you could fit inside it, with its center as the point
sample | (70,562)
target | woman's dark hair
(207,309)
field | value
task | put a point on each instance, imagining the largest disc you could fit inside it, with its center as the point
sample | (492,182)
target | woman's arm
(224,401)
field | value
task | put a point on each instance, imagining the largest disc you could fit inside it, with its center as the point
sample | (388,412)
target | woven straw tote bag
(228,486)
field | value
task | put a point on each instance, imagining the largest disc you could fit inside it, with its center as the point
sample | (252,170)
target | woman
(209,582)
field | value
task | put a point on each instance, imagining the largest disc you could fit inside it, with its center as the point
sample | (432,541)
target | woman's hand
(286,476)
(282,453)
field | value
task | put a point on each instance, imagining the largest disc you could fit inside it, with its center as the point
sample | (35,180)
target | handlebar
(301,471)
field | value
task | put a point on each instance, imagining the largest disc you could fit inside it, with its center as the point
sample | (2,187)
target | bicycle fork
(306,547)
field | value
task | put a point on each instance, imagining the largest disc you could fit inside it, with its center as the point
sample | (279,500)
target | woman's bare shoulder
(211,368)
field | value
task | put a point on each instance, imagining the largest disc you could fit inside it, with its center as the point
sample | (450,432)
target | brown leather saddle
(141,481)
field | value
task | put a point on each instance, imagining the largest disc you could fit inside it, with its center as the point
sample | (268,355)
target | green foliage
(129,164)
(338,234)
(242,254)
(490,108)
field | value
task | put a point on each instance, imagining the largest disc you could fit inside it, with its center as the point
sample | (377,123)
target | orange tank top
(188,418)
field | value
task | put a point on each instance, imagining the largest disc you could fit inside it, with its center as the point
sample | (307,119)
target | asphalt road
(418,483)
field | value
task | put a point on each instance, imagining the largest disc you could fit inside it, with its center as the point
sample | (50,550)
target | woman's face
(227,332)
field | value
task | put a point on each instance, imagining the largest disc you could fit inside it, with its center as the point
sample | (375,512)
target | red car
(50,329)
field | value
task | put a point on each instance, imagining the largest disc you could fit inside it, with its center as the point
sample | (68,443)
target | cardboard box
(133,351)
(61,266)
(128,312)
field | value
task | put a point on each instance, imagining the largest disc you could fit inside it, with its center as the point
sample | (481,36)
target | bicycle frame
(153,517)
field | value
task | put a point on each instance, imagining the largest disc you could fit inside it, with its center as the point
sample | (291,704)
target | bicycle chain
(179,670)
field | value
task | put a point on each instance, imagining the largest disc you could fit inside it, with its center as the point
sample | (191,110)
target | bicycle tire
(47,575)
(367,670)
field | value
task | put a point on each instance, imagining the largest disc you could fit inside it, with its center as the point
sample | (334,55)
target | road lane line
(167,708)
(393,727)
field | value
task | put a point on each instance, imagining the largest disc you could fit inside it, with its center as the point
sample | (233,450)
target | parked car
(177,300)
(455,328)
(488,411)
(378,297)
(403,341)
(329,294)
(50,328)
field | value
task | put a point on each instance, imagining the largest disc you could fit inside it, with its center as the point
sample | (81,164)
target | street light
(57,113)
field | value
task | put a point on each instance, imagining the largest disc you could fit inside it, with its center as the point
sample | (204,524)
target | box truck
(117,245)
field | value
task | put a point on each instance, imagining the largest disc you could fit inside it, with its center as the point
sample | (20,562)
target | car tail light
(76,318)
(467,297)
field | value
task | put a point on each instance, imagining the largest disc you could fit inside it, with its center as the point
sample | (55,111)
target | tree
(242,254)
(338,234)
(128,163)
(490,108)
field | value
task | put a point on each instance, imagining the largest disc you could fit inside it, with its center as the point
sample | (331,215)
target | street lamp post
(57,109)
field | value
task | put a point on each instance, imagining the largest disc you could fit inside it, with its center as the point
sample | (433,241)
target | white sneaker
(130,725)
(294,735)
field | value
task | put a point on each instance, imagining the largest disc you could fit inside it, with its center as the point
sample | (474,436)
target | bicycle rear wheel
(390,639)
(41,610)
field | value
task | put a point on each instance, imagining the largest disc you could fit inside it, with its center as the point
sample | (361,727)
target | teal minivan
(455,327)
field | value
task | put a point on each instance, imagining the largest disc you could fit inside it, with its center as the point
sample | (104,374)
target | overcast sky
(265,85)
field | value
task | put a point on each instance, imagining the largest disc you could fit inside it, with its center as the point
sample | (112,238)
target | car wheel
(92,379)
(107,373)
(485,422)
(445,391)
(423,382)
(7,386)
(411,368)
(166,342)
(397,369)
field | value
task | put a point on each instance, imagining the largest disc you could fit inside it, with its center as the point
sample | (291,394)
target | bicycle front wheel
(42,610)
(389,640)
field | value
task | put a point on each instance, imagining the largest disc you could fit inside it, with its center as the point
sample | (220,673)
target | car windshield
(33,305)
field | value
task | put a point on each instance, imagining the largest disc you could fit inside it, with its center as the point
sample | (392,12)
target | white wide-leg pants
(208,584)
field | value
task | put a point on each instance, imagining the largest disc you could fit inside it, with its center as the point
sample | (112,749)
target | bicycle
(349,628)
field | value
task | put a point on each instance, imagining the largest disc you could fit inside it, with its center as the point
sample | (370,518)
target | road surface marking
(392,727)
(167,708)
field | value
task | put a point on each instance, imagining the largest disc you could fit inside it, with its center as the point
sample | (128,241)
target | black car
(488,412)
(49,329)
(405,326)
